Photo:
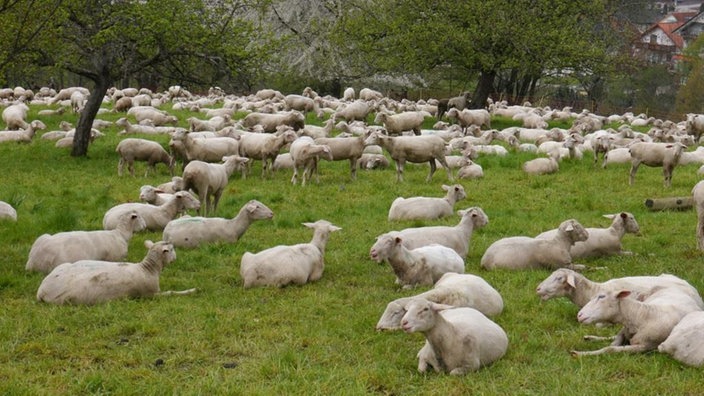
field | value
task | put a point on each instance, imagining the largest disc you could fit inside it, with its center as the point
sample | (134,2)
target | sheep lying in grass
(685,340)
(48,251)
(602,241)
(666,155)
(646,323)
(283,265)
(426,208)
(23,135)
(7,211)
(15,116)
(155,217)
(541,166)
(89,282)
(458,340)
(190,232)
(132,149)
(176,184)
(424,265)
(372,161)
(209,180)
(521,252)
(458,290)
(153,195)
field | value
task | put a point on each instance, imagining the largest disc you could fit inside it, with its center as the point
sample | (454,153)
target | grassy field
(320,338)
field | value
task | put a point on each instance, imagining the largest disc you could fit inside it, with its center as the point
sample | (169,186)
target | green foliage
(691,94)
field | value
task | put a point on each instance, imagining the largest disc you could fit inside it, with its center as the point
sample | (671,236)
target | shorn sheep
(698,198)
(395,124)
(155,217)
(666,155)
(424,265)
(7,212)
(685,340)
(458,290)
(190,232)
(305,154)
(458,340)
(417,149)
(151,152)
(23,135)
(288,264)
(209,180)
(89,282)
(522,252)
(427,208)
(48,251)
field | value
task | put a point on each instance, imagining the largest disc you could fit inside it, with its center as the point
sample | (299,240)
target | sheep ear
(623,294)
(440,307)
(609,216)
(446,187)
(570,281)
(148,244)
(398,240)
(623,215)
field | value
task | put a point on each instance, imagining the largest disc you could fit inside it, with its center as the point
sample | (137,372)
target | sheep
(541,166)
(52,112)
(469,169)
(602,241)
(357,110)
(15,116)
(25,135)
(153,195)
(666,155)
(698,198)
(618,155)
(426,208)
(7,212)
(211,149)
(264,147)
(395,124)
(315,131)
(458,340)
(684,342)
(350,148)
(137,128)
(89,282)
(122,104)
(694,125)
(300,103)
(78,101)
(209,180)
(456,237)
(158,117)
(270,122)
(132,149)
(213,124)
(304,154)
(370,94)
(283,265)
(176,184)
(692,157)
(521,252)
(412,149)
(283,161)
(467,117)
(190,232)
(646,323)
(155,217)
(372,161)
(48,251)
(458,290)
(420,266)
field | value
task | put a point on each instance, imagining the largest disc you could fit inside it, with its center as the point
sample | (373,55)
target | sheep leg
(216,200)
(634,168)
(700,228)
(130,166)
(432,170)
(399,169)
(444,164)
(120,166)
(353,168)
(613,349)
(177,293)
(667,175)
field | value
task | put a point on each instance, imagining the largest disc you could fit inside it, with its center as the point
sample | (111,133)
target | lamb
(48,251)
(89,282)
(395,124)
(458,340)
(155,217)
(372,161)
(666,155)
(133,149)
(283,265)
(153,195)
(602,241)
(646,323)
(25,135)
(458,290)
(541,166)
(684,342)
(209,180)
(523,252)
(15,116)
(304,154)
(420,266)
(467,117)
(698,198)
(348,94)
(427,208)
(412,149)
(264,147)
(350,148)
(7,212)
(270,122)
(190,232)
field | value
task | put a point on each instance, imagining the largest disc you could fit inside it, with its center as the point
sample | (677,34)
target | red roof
(671,22)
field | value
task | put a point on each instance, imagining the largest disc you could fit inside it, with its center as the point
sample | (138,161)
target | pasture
(320,338)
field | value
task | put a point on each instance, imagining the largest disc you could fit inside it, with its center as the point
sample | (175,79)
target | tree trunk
(485,87)
(81,139)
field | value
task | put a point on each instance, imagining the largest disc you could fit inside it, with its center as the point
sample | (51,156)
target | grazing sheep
(189,232)
(619,155)
(523,252)
(209,180)
(140,128)
(467,117)
(264,147)
(357,110)
(698,198)
(412,149)
(426,208)
(684,342)
(23,135)
(666,155)
(350,148)
(270,122)
(283,265)
(424,265)
(602,241)
(15,116)
(48,251)
(370,94)
(155,217)
(541,166)
(396,124)
(78,101)
(304,154)
(7,212)
(647,321)
(458,340)
(89,282)
(316,132)
(458,290)
(132,149)
(210,149)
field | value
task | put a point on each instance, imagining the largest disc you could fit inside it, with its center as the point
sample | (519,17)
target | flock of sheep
(85,267)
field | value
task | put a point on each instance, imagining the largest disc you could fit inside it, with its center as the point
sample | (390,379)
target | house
(660,44)
(691,29)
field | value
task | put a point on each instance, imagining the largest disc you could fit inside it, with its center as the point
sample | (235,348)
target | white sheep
(264,147)
(469,169)
(420,266)
(685,340)
(209,180)
(283,265)
(458,340)
(395,124)
(213,124)
(357,110)
(666,155)
(467,117)
(23,135)
(350,148)
(316,132)
(647,320)
(348,94)
(176,184)
(139,128)
(210,149)
(89,282)
(372,161)
(78,101)
(158,117)
(694,125)
(427,208)
(370,94)
(151,152)
(304,155)
(7,212)
(692,157)
(602,241)
(416,149)
(698,198)
(155,217)
(153,195)
(15,116)
(48,251)
(541,166)
(458,290)
(190,232)
(618,155)
(522,252)
(270,122)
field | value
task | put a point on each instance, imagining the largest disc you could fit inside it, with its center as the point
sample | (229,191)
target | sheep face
(602,308)
(381,250)
(392,316)
(574,231)
(558,284)
(421,315)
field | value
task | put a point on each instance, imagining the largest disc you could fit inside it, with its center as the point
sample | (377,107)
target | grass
(320,338)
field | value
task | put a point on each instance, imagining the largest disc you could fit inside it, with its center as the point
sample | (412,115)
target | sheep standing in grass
(666,155)
(427,208)
(283,265)
(522,252)
(304,155)
(89,282)
(698,198)
(396,124)
(48,251)
(458,290)
(132,149)
(350,148)
(458,340)
(190,232)
(413,149)
(264,147)
(209,180)
(155,217)
(685,340)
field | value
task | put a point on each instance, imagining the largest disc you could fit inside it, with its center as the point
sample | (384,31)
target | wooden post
(676,203)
